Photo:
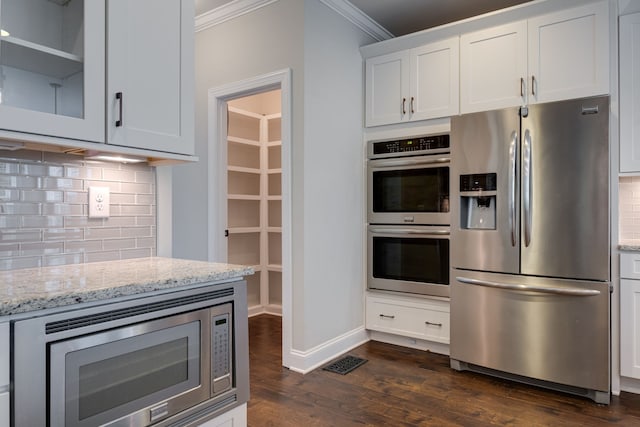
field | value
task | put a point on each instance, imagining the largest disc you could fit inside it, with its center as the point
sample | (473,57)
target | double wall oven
(408,215)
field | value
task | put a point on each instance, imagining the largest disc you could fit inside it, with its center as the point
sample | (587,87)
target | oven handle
(540,289)
(409,231)
(380,164)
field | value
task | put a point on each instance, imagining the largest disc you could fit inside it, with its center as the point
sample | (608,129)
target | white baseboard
(630,385)
(275,310)
(418,344)
(306,361)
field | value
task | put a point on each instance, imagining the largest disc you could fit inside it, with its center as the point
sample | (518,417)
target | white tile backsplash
(43,210)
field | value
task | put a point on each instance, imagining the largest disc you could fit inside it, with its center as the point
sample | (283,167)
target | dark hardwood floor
(405,387)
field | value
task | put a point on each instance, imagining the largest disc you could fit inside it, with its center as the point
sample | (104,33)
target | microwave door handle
(527,186)
(409,231)
(380,164)
(513,152)
(530,288)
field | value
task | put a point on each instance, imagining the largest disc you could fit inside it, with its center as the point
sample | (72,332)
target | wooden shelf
(37,58)
(243,197)
(274,267)
(278,170)
(274,229)
(238,140)
(242,230)
(242,169)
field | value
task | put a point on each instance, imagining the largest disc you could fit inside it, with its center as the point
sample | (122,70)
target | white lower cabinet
(413,317)
(236,417)
(630,315)
(4,375)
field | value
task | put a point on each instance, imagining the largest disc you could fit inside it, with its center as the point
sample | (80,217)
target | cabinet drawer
(422,319)
(4,355)
(630,265)
(4,409)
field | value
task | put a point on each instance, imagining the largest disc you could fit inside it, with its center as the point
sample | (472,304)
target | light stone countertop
(629,245)
(33,289)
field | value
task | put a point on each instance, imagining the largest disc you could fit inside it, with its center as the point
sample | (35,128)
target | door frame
(216,175)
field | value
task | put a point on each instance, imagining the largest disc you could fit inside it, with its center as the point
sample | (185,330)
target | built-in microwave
(408,181)
(410,259)
(159,362)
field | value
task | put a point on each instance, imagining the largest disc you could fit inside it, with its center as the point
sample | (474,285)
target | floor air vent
(345,365)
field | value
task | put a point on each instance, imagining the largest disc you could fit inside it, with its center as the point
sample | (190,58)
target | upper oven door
(409,190)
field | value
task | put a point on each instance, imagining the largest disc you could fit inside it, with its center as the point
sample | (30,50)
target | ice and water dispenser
(478,201)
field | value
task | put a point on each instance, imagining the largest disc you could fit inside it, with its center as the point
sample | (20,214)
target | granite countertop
(32,289)
(629,245)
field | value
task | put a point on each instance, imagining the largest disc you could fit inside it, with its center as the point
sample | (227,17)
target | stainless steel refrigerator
(530,251)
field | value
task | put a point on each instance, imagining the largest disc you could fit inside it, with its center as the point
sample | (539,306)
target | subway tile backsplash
(44,210)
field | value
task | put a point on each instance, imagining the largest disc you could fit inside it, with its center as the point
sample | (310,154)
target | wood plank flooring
(405,387)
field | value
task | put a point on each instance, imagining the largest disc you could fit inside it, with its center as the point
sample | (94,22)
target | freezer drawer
(545,329)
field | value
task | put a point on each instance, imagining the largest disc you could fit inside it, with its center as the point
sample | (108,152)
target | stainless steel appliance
(170,359)
(413,259)
(408,215)
(530,292)
(408,181)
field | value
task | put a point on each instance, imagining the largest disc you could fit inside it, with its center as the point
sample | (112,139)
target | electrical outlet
(98,202)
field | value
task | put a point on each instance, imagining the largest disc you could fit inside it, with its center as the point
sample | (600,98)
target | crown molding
(228,11)
(359,19)
(342,7)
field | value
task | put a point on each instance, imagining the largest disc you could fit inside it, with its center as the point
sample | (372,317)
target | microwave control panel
(221,353)
(410,146)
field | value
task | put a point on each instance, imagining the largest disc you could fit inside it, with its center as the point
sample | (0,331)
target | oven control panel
(410,146)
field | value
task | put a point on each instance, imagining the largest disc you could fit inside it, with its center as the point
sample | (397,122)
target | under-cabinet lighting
(4,33)
(11,146)
(115,158)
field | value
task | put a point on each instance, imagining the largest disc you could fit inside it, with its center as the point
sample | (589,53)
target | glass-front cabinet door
(52,68)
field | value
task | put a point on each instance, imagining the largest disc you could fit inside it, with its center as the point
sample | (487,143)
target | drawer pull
(433,324)
(387,316)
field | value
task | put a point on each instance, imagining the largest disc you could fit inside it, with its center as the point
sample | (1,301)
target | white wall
(322,49)
(334,189)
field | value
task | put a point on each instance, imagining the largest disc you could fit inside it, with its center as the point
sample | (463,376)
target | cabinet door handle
(387,316)
(433,324)
(404,110)
(119,97)
(521,86)
(533,85)
(412,105)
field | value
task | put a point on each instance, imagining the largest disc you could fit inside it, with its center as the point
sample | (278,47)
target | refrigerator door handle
(513,151)
(526,186)
(539,289)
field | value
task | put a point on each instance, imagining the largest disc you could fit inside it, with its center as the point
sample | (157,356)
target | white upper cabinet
(569,53)
(52,62)
(560,55)
(150,77)
(387,88)
(414,84)
(630,95)
(493,68)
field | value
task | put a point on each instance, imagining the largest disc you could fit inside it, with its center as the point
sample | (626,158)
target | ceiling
(401,17)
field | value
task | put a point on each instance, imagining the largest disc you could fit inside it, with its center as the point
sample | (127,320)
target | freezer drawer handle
(543,290)
(433,324)
(386,316)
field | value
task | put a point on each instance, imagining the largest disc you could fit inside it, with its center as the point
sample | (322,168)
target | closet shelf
(274,229)
(243,197)
(243,230)
(275,267)
(279,197)
(243,169)
(274,143)
(245,141)
(273,171)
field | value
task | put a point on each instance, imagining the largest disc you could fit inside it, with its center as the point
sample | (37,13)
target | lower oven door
(133,376)
(412,259)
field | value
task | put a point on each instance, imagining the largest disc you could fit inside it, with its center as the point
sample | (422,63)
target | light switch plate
(98,202)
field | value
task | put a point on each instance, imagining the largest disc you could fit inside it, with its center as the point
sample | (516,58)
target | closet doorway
(254,196)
